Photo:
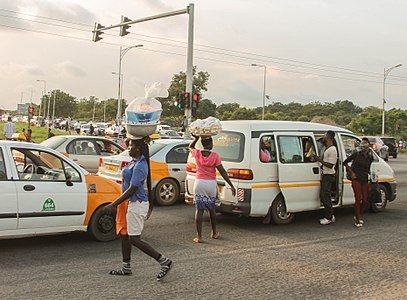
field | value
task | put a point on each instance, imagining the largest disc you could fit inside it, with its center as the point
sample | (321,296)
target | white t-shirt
(9,130)
(330,156)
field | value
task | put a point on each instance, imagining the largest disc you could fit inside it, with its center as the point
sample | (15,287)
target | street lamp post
(264,86)
(44,91)
(385,73)
(123,51)
(53,109)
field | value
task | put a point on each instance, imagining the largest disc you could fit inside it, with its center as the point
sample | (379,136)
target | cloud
(157,5)
(68,68)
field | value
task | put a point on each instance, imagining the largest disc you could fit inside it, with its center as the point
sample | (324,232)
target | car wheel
(102,225)
(279,212)
(377,207)
(166,192)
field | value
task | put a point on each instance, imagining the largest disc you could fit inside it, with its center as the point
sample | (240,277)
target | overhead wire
(266,58)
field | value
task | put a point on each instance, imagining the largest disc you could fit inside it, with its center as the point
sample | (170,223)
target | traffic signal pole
(99,29)
(188,108)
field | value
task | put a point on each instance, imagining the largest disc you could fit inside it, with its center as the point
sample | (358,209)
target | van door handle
(176,169)
(29,188)
(315,170)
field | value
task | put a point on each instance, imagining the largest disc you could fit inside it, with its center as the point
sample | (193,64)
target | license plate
(111,168)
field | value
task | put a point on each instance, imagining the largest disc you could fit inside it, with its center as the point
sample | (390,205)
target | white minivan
(289,181)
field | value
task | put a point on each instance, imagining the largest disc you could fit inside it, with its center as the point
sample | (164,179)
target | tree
(178,85)
(206,108)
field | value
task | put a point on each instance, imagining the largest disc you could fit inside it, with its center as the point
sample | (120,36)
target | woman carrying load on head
(205,187)
(138,209)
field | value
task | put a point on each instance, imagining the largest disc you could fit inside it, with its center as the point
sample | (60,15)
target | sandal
(119,272)
(215,236)
(197,240)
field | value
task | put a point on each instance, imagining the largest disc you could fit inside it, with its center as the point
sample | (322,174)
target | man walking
(9,129)
(328,176)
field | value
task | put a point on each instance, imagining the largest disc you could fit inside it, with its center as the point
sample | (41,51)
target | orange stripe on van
(294,185)
(387,179)
(263,186)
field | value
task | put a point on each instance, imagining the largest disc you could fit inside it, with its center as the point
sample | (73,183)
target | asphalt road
(303,260)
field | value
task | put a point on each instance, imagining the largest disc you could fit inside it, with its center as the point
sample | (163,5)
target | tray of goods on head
(207,127)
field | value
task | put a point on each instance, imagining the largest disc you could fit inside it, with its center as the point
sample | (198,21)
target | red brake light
(100,162)
(124,164)
(374,146)
(191,167)
(245,174)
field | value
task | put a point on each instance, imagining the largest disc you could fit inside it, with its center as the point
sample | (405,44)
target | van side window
(267,149)
(296,149)
(2,167)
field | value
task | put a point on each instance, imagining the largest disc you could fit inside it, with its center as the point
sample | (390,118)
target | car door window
(296,149)
(178,154)
(3,175)
(107,148)
(34,165)
(350,144)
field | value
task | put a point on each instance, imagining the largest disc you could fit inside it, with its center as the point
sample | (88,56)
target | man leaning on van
(328,163)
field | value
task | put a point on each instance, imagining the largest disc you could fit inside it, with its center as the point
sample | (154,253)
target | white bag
(206,127)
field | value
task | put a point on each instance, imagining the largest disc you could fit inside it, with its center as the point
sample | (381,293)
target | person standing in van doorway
(328,176)
(205,187)
(360,169)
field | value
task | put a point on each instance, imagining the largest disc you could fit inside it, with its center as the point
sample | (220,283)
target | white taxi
(44,192)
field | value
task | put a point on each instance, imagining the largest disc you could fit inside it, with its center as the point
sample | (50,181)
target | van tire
(166,192)
(378,207)
(279,211)
(102,225)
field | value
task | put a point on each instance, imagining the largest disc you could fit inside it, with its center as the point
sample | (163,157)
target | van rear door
(298,172)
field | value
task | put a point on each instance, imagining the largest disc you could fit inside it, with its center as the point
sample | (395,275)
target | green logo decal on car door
(49,205)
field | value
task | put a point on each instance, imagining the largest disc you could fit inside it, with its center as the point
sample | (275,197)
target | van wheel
(102,225)
(395,155)
(166,192)
(279,212)
(378,207)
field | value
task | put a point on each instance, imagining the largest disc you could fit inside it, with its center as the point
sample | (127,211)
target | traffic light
(97,32)
(186,99)
(179,101)
(123,28)
(31,111)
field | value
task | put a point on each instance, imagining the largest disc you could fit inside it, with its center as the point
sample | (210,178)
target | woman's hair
(206,142)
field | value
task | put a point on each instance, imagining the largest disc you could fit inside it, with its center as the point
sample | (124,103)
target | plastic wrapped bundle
(143,113)
(206,127)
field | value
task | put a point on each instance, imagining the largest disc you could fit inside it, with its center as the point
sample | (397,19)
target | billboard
(22,109)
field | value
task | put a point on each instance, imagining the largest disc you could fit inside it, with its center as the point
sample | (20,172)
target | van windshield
(229,145)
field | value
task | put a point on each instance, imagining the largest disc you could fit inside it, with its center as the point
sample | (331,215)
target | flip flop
(215,236)
(197,240)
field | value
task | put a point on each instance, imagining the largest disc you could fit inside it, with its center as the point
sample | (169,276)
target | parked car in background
(84,150)
(169,134)
(101,127)
(391,142)
(168,160)
(32,206)
(379,147)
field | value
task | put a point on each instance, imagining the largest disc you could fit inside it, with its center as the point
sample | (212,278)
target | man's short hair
(365,139)
(330,134)
(9,119)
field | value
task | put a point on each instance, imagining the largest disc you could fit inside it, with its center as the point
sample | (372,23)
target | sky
(312,50)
